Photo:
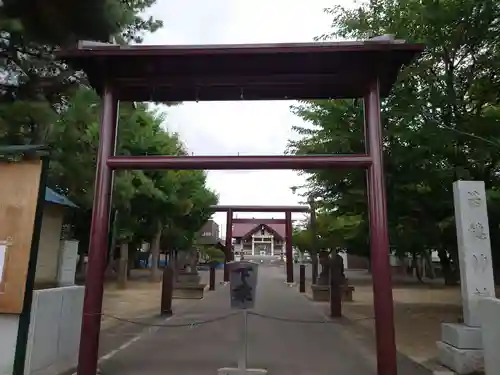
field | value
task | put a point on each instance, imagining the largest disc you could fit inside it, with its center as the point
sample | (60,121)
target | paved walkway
(281,347)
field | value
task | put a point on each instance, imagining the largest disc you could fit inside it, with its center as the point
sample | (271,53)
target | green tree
(332,232)
(212,254)
(35,86)
(149,205)
(42,100)
(441,123)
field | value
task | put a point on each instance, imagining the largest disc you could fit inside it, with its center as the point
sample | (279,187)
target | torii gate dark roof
(319,70)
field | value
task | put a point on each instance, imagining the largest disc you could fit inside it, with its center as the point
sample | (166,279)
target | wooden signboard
(19,186)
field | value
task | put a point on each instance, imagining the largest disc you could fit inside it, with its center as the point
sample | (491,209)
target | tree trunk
(427,255)
(172,262)
(416,267)
(110,271)
(444,260)
(130,265)
(455,267)
(122,267)
(314,261)
(155,253)
(79,264)
(110,267)
(132,257)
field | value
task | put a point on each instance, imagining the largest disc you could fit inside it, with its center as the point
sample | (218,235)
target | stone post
(212,276)
(302,278)
(68,258)
(122,266)
(460,347)
(490,311)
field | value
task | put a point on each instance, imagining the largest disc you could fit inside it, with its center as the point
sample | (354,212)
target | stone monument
(187,280)
(68,257)
(324,262)
(460,348)
(321,290)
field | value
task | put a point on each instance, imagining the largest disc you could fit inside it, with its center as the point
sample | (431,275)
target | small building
(49,249)
(209,234)
(264,237)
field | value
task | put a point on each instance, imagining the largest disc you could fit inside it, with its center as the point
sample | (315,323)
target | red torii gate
(230,210)
(336,70)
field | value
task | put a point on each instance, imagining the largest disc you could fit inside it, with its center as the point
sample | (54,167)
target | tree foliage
(212,254)
(34,86)
(441,123)
(42,100)
(175,202)
(331,232)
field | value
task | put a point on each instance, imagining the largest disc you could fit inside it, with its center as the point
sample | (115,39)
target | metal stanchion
(243,282)
(335,294)
(242,360)
(302,278)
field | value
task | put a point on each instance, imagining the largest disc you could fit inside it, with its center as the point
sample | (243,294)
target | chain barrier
(291,320)
(197,323)
(192,324)
(304,321)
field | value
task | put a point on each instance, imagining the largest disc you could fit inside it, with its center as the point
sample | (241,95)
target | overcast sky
(228,128)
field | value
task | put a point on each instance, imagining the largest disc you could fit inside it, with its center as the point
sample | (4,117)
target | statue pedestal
(187,278)
(321,293)
(188,291)
(188,286)
(347,291)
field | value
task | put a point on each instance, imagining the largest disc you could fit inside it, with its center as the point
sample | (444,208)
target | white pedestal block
(461,336)
(462,361)
(236,371)
(490,312)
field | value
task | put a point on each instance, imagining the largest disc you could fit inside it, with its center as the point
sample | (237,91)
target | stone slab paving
(280,346)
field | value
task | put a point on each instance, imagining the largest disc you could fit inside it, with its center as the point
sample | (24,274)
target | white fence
(54,333)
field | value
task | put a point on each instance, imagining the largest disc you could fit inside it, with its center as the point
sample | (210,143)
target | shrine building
(264,237)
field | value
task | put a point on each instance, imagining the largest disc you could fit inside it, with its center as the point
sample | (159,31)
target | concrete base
(321,293)
(347,291)
(462,361)
(461,336)
(236,371)
(490,311)
(188,278)
(443,372)
(188,291)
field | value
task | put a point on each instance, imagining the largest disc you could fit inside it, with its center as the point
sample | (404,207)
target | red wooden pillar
(314,249)
(98,244)
(229,243)
(379,237)
(289,251)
